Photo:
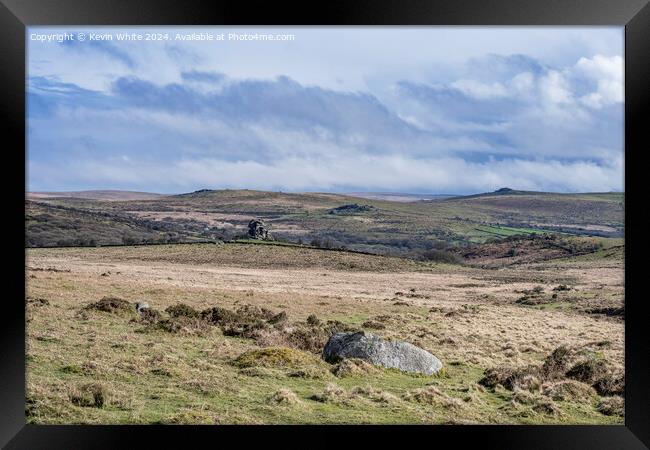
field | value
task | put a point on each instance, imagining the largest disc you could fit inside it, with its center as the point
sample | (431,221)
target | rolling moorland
(323,220)
(519,294)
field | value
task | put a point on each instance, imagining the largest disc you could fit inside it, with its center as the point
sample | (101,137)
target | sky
(436,110)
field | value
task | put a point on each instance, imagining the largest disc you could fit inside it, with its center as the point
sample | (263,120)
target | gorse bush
(181,309)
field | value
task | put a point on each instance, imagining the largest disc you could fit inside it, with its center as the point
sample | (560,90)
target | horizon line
(505,189)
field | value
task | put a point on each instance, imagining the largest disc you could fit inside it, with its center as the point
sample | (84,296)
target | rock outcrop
(257,230)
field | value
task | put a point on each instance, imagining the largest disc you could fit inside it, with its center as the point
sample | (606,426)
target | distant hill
(49,225)
(386,226)
(509,192)
(105,195)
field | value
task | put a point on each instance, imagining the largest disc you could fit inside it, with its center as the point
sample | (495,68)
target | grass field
(90,366)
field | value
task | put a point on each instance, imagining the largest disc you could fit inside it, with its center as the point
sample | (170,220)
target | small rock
(140,306)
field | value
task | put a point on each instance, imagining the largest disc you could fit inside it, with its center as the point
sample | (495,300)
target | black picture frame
(15,15)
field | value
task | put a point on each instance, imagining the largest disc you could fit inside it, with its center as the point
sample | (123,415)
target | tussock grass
(569,390)
(284,397)
(353,367)
(331,394)
(89,394)
(431,395)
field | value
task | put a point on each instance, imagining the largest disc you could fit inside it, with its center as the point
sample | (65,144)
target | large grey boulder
(392,354)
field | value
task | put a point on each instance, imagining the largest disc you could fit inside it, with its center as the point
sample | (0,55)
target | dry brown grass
(284,397)
(569,390)
(89,394)
(491,330)
(332,394)
(353,367)
(275,357)
(612,406)
(433,396)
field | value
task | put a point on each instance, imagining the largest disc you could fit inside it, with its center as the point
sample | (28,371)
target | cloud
(497,67)
(607,73)
(345,174)
(479,90)
(206,77)
(553,112)
(554,88)
(107,48)
(177,119)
